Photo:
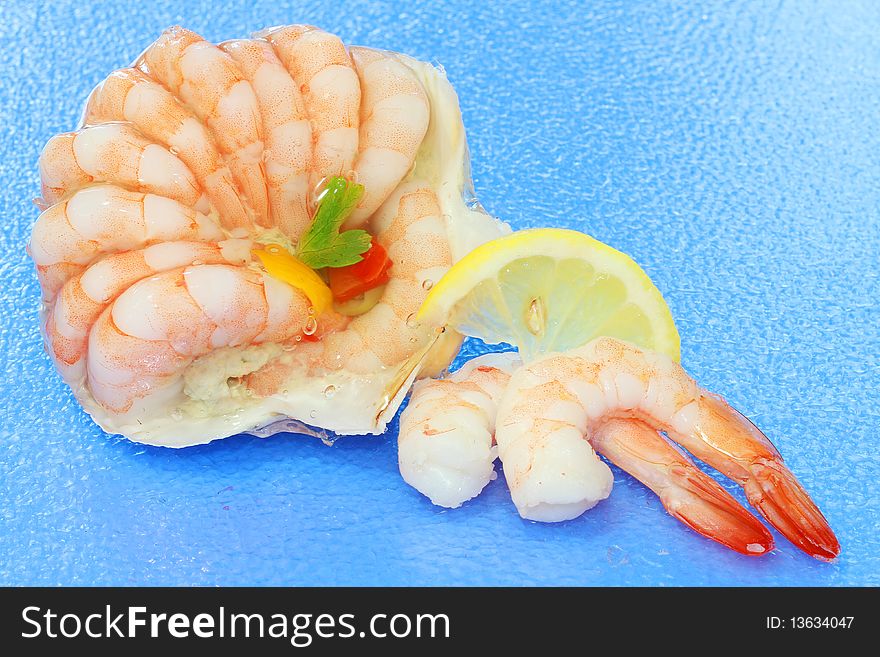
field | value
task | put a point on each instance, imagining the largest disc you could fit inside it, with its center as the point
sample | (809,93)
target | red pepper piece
(348,282)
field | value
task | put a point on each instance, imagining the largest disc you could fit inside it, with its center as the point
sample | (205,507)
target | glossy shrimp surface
(130,95)
(184,163)
(210,83)
(113,153)
(84,297)
(446,442)
(558,400)
(138,350)
(288,133)
(411,228)
(331,94)
(548,421)
(102,219)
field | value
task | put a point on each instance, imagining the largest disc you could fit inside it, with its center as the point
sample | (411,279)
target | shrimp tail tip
(778,495)
(702,504)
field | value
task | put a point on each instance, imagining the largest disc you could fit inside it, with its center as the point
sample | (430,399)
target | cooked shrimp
(212,86)
(552,403)
(412,230)
(288,153)
(114,153)
(107,219)
(138,349)
(321,66)
(83,298)
(394,118)
(409,225)
(130,95)
(196,146)
(446,445)
(446,449)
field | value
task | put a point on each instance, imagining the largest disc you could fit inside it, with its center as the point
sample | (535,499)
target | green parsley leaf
(323,245)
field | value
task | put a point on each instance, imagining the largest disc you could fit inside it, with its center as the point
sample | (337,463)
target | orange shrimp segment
(138,350)
(114,153)
(130,95)
(288,154)
(211,84)
(84,297)
(394,118)
(321,66)
(107,219)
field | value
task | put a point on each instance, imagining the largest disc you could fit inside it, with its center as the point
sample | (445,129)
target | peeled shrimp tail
(687,493)
(722,437)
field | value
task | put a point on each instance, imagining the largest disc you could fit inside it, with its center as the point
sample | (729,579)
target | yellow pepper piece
(280,264)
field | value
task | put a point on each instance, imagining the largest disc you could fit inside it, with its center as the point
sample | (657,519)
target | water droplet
(411,321)
(311,326)
(329,391)
(198,262)
(313,414)
(298,338)
(177,415)
(413,339)
(427,284)
(273,248)
(174,151)
(617,556)
(352,175)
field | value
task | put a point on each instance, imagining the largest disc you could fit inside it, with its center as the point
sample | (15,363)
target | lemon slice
(550,289)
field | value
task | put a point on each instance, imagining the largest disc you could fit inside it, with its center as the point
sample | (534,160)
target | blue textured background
(731,148)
